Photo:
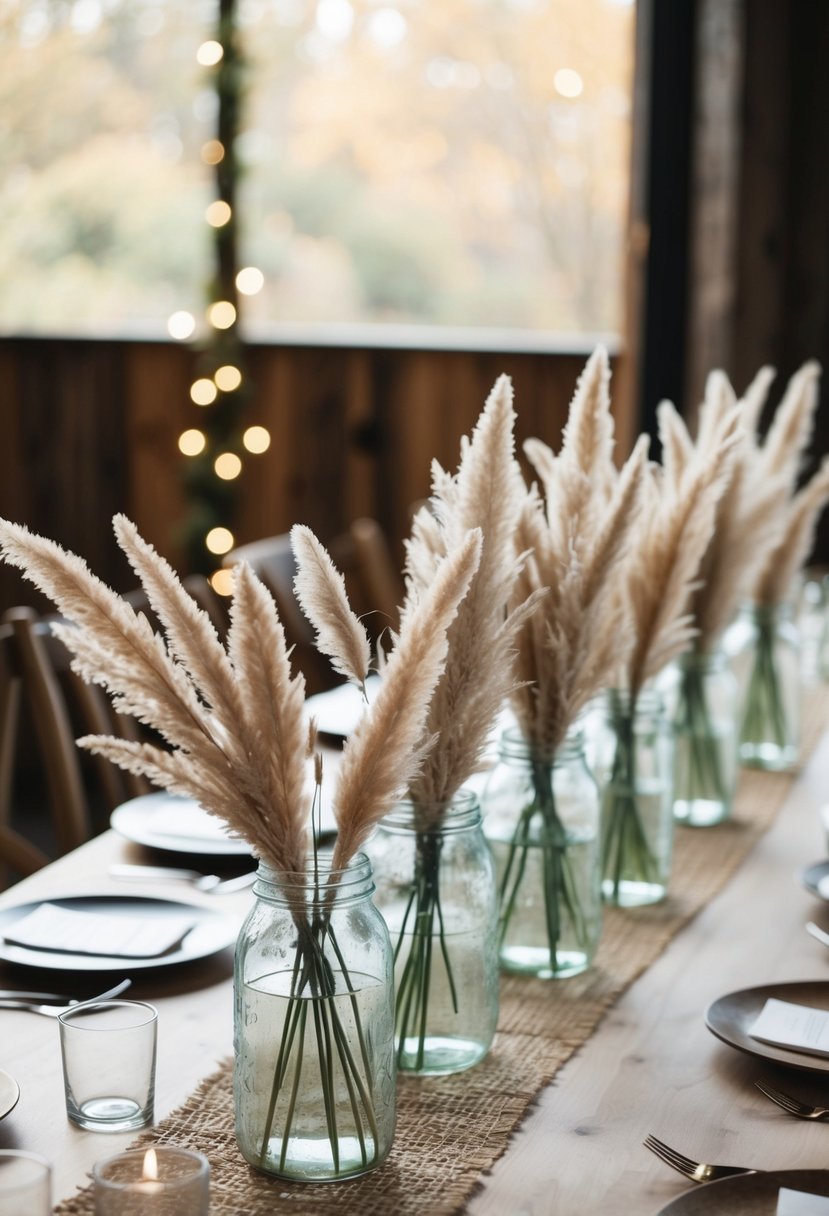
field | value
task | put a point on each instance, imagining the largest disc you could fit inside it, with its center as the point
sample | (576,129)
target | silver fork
(54,1011)
(793,1106)
(201,882)
(697,1171)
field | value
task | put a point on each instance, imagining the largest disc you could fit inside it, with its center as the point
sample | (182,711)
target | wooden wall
(90,428)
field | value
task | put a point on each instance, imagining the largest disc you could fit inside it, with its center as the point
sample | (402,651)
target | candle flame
(149,1171)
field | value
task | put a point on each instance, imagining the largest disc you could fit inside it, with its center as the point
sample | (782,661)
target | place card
(801,1203)
(53,928)
(797,1027)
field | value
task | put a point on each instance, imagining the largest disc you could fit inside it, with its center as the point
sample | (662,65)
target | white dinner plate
(338,711)
(212,931)
(746,1194)
(731,1016)
(9,1093)
(179,825)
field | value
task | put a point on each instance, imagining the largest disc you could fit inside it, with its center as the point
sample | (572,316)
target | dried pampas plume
(320,589)
(234,718)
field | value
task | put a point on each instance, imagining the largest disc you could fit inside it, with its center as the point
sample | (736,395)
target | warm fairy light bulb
(228,378)
(181,325)
(213,152)
(221,315)
(210,53)
(222,582)
(192,442)
(568,83)
(203,391)
(250,280)
(228,466)
(257,439)
(219,540)
(218,213)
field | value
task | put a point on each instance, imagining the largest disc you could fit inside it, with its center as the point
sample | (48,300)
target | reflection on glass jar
(436,889)
(541,819)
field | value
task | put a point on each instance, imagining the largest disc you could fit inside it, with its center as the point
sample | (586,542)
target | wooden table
(651,1066)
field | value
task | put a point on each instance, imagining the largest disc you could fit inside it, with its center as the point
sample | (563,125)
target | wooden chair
(35,673)
(374,586)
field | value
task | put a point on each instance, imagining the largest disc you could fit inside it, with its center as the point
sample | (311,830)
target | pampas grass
(233,719)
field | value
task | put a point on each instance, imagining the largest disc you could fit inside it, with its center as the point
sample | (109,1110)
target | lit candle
(162,1181)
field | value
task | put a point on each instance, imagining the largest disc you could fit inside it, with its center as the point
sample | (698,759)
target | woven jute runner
(451,1130)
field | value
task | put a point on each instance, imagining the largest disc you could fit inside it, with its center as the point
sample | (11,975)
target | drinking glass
(109,1052)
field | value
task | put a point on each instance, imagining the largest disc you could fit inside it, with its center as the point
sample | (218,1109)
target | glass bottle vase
(701,702)
(541,819)
(436,889)
(634,767)
(763,646)
(314,1070)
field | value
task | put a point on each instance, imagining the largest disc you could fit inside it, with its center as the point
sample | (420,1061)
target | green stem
(699,773)
(627,854)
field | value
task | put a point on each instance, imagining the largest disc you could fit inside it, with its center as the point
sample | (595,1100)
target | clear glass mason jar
(542,823)
(700,693)
(314,1072)
(634,768)
(436,889)
(763,648)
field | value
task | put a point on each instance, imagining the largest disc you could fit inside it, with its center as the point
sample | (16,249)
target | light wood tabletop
(652,1066)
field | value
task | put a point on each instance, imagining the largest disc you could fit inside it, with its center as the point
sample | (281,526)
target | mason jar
(314,1071)
(763,648)
(701,697)
(634,767)
(436,890)
(541,818)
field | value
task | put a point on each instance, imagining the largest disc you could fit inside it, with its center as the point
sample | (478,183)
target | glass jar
(763,647)
(314,1071)
(436,889)
(541,819)
(700,693)
(634,767)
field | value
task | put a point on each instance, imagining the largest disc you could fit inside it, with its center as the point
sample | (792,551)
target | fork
(697,1171)
(793,1106)
(201,882)
(54,1011)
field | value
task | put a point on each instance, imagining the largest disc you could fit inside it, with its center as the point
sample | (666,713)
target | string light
(218,213)
(219,540)
(228,378)
(181,325)
(257,439)
(222,314)
(222,582)
(203,391)
(192,442)
(228,466)
(210,53)
(568,83)
(250,280)
(213,152)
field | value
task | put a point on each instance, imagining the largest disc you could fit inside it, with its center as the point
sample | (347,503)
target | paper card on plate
(799,1203)
(52,928)
(797,1027)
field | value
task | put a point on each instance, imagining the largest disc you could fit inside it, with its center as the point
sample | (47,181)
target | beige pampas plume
(381,757)
(777,579)
(676,528)
(321,592)
(788,437)
(577,538)
(485,492)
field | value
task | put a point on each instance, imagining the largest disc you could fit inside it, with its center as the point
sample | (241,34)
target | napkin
(801,1203)
(798,1027)
(51,927)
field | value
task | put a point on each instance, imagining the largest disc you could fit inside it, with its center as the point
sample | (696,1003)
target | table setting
(337,1014)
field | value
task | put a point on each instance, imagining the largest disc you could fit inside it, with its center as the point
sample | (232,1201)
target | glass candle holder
(25,1184)
(109,1050)
(160,1181)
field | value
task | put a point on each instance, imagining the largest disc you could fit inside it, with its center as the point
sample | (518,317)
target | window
(437,162)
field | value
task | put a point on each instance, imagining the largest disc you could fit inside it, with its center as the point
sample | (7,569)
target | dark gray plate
(746,1194)
(730,1017)
(211,932)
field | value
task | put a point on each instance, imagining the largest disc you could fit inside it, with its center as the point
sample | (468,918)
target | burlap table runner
(451,1130)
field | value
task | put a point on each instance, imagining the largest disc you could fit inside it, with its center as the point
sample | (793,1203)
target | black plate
(730,1017)
(746,1194)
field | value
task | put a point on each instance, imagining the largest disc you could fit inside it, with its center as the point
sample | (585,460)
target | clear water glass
(108,1050)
